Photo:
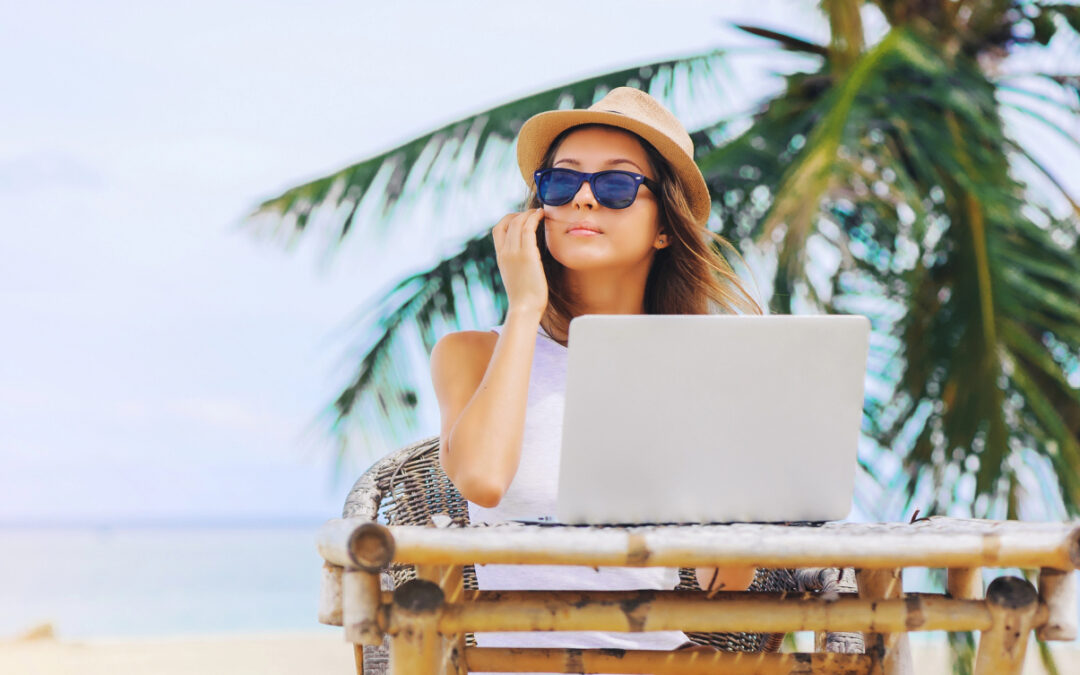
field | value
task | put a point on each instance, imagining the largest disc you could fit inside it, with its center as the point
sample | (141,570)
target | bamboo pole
(356,542)
(452,582)
(489,659)
(645,610)
(1057,590)
(938,542)
(1013,604)
(415,645)
(361,598)
(890,649)
(584,597)
(965,583)
(330,595)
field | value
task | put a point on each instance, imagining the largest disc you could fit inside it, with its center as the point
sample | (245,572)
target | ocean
(159,581)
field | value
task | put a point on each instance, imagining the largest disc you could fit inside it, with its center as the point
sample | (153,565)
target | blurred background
(231,231)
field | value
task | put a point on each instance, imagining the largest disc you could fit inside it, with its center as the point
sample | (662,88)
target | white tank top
(531,495)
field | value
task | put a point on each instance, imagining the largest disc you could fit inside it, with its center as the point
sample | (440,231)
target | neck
(608,291)
(602,292)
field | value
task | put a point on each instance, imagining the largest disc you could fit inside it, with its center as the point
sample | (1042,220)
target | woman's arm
(482,382)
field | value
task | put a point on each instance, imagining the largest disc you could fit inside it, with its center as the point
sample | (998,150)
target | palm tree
(885,180)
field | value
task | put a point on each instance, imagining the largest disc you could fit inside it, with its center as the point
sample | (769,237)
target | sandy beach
(262,654)
(284,654)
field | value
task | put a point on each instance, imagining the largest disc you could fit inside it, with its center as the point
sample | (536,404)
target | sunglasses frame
(589,177)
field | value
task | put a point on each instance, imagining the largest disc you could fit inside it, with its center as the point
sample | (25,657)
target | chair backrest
(409,487)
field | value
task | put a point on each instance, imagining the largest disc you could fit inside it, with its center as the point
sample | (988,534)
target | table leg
(330,610)
(358,656)
(415,644)
(1057,590)
(965,583)
(361,597)
(452,582)
(1012,603)
(891,651)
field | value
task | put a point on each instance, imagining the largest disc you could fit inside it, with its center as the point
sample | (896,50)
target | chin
(581,260)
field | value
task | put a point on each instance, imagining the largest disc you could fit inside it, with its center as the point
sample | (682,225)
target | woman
(623,208)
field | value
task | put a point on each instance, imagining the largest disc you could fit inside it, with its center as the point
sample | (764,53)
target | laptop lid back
(711,418)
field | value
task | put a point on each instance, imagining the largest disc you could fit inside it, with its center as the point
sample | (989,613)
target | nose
(584,197)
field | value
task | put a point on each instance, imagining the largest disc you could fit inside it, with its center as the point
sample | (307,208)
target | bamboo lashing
(1013,603)
(1057,590)
(931,543)
(660,662)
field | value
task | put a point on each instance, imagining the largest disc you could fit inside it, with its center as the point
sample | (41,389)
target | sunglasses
(613,189)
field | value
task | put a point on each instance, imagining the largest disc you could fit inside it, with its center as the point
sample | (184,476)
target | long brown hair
(689,276)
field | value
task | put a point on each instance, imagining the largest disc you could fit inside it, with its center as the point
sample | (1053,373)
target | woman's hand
(519,260)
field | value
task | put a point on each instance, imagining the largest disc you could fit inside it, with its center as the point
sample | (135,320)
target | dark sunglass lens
(558,186)
(615,190)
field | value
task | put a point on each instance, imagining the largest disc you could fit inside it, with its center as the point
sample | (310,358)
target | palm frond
(379,405)
(785,40)
(453,157)
(811,175)
(967,262)
(1047,173)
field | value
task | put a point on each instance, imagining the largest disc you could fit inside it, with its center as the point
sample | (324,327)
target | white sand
(287,654)
(292,654)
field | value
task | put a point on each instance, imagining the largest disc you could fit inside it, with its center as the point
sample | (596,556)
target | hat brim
(540,130)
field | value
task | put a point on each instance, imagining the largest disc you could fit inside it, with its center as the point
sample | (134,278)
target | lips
(583,227)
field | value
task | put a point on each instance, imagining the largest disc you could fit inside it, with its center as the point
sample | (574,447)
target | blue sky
(157,361)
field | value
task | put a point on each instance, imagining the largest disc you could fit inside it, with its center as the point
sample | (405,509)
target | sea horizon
(212,522)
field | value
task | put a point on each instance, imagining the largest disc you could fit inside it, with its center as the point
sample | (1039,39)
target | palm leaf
(446,161)
(379,404)
(786,40)
(901,99)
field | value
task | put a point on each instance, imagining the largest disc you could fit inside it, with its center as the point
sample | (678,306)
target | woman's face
(583,234)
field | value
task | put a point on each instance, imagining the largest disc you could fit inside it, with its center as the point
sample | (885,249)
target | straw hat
(625,108)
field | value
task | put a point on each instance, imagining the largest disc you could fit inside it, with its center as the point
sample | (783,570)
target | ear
(662,241)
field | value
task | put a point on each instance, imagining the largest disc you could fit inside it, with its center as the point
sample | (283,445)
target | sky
(158,361)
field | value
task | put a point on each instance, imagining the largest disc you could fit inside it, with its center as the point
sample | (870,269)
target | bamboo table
(427,618)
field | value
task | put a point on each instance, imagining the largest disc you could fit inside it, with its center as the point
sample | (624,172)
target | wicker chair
(408,487)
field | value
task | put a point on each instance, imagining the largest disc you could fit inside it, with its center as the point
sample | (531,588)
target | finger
(498,233)
(528,229)
(513,232)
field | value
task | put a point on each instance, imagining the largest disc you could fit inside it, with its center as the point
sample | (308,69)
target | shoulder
(463,353)
(465,344)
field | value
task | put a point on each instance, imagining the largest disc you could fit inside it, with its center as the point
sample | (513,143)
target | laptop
(693,419)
